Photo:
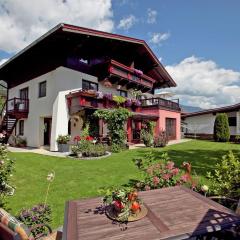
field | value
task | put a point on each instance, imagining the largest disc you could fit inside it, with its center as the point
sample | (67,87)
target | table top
(173,213)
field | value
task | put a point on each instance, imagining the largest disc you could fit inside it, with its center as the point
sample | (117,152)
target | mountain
(189,109)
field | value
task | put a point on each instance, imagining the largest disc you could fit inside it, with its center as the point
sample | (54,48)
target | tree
(221,128)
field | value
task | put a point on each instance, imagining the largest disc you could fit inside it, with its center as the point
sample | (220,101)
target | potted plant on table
(124,205)
(62,141)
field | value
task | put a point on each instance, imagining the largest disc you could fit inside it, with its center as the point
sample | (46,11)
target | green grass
(77,179)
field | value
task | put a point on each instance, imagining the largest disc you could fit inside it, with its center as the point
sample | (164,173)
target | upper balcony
(90,99)
(120,74)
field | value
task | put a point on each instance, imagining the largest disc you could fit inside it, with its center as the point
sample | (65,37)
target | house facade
(201,124)
(57,82)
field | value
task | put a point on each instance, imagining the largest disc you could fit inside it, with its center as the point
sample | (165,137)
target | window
(21,128)
(232,121)
(86,85)
(42,89)
(23,93)
(122,93)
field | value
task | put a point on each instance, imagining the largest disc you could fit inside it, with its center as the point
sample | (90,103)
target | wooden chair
(12,229)
(234,233)
(7,234)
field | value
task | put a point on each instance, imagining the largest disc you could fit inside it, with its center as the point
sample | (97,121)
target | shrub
(115,148)
(6,170)
(21,141)
(38,214)
(161,140)
(160,171)
(221,128)
(147,138)
(88,149)
(226,177)
(237,139)
(63,139)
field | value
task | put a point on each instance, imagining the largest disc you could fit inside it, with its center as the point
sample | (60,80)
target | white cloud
(127,22)
(158,38)
(21,22)
(151,16)
(204,84)
(2,61)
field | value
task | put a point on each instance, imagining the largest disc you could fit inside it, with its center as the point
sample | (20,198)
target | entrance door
(171,128)
(136,129)
(47,130)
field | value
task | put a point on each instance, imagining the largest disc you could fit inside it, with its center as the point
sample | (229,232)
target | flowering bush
(161,172)
(161,140)
(38,214)
(6,170)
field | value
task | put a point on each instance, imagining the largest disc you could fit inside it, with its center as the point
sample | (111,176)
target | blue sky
(208,29)
(197,41)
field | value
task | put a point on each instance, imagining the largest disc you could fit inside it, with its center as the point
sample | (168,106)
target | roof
(229,108)
(49,51)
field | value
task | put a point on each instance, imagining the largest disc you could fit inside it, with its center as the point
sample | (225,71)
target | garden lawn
(77,179)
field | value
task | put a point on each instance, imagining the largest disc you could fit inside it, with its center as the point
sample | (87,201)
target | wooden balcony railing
(131,74)
(17,106)
(80,100)
(161,102)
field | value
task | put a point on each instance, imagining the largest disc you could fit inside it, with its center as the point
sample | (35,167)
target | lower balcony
(90,99)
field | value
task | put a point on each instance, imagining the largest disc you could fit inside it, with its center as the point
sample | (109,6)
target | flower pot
(63,147)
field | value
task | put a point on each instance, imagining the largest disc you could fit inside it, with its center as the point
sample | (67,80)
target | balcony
(161,103)
(17,107)
(123,75)
(80,100)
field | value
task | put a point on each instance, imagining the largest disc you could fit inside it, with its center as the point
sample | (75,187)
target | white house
(58,81)
(201,123)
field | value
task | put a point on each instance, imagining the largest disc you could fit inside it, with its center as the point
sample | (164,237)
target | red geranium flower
(89,138)
(77,138)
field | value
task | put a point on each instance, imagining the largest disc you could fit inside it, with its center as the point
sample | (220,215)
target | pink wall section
(161,123)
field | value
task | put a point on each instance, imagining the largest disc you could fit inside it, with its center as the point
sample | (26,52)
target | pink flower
(147,188)
(156,181)
(170,165)
(175,171)
(184,178)
(166,176)
(150,171)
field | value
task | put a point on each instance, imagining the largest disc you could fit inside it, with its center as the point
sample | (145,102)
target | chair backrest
(6,233)
(11,227)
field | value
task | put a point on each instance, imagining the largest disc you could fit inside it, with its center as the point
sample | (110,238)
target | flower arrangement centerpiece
(124,205)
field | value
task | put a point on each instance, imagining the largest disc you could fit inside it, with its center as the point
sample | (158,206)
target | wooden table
(173,213)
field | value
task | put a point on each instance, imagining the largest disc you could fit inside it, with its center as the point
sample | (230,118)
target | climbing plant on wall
(115,119)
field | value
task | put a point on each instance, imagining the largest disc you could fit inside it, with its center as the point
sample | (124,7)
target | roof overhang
(48,52)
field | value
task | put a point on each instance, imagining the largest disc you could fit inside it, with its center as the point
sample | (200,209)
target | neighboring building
(49,83)
(201,124)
